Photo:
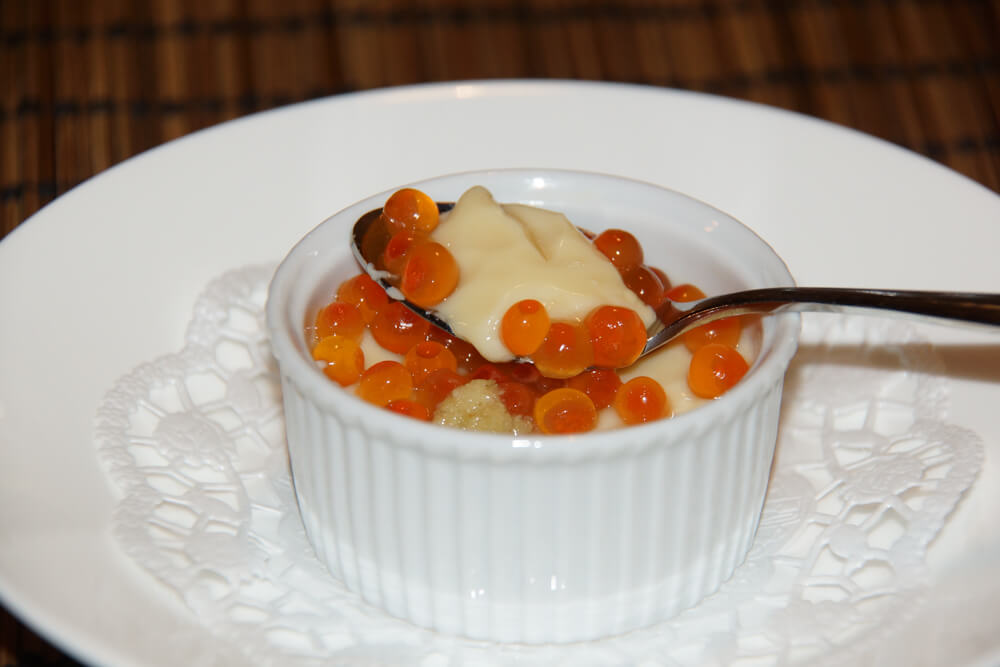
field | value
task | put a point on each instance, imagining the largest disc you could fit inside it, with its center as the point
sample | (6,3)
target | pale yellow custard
(509,252)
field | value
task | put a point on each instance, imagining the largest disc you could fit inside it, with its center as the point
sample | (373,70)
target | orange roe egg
(714,370)
(408,408)
(525,373)
(489,371)
(429,275)
(685,292)
(343,319)
(343,357)
(725,331)
(543,384)
(664,280)
(565,352)
(600,384)
(621,248)
(617,336)
(376,237)
(397,328)
(641,400)
(427,356)
(466,354)
(645,284)
(517,397)
(397,249)
(411,209)
(436,386)
(523,327)
(364,293)
(565,410)
(384,382)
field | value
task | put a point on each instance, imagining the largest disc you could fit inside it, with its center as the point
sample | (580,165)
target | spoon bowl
(361,248)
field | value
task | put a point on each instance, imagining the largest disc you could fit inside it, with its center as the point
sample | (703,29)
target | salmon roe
(517,397)
(466,355)
(565,410)
(428,356)
(436,385)
(343,319)
(621,248)
(489,371)
(646,284)
(525,373)
(664,280)
(411,209)
(617,336)
(726,331)
(430,274)
(376,237)
(384,382)
(685,292)
(572,377)
(343,357)
(600,384)
(714,369)
(397,249)
(405,406)
(524,326)
(365,293)
(565,352)
(397,328)
(641,400)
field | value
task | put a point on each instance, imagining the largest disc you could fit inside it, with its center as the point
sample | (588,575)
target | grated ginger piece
(476,406)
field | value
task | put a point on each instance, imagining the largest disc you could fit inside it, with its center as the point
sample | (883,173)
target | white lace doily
(865,475)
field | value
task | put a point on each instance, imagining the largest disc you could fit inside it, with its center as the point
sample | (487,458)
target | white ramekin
(541,538)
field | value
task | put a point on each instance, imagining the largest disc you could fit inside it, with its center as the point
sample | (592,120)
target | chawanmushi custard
(555,318)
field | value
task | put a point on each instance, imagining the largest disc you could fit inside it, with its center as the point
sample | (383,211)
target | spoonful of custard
(523,283)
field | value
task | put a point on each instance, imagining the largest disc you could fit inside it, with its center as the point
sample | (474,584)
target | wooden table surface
(88,83)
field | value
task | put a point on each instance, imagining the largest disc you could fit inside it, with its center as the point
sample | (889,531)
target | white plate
(104,279)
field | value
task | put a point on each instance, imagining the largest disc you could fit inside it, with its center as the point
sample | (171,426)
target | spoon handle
(981,308)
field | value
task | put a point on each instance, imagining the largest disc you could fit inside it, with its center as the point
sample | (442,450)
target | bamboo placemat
(88,83)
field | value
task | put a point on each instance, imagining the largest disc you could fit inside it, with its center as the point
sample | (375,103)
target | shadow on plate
(979,362)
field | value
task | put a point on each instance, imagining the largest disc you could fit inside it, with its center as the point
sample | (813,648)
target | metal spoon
(675,318)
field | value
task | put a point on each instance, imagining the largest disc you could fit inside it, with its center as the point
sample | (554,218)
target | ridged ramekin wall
(526,548)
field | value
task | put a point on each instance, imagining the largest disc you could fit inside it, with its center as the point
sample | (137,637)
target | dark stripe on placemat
(732,83)
(415,16)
